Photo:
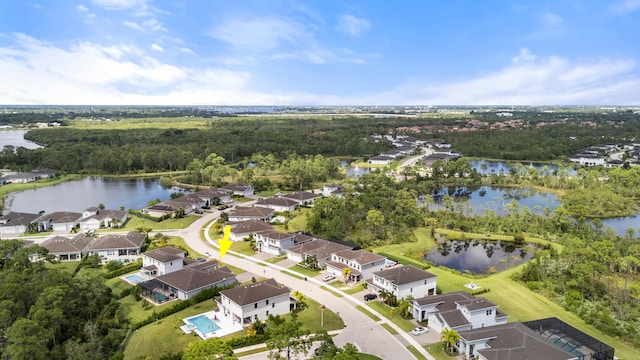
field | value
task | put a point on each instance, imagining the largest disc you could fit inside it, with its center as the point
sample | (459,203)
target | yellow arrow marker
(225,243)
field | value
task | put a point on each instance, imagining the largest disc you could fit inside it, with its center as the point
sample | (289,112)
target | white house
(331,190)
(278,203)
(380,160)
(68,249)
(239,189)
(273,242)
(212,196)
(457,311)
(15,223)
(404,280)
(242,213)
(244,229)
(162,261)
(94,218)
(245,304)
(362,263)
(319,249)
(58,221)
(112,247)
(184,283)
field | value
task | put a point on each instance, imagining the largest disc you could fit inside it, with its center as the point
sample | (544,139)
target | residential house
(331,190)
(304,198)
(213,196)
(511,341)
(162,261)
(402,281)
(185,283)
(243,229)
(59,221)
(112,247)
(273,241)
(319,249)
(68,249)
(362,263)
(380,160)
(457,311)
(15,223)
(256,301)
(94,218)
(240,189)
(278,203)
(242,213)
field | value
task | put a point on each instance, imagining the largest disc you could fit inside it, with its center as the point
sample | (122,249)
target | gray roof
(275,235)
(477,304)
(301,238)
(249,226)
(320,248)
(277,201)
(212,193)
(105,213)
(61,244)
(254,211)
(300,196)
(197,276)
(453,318)
(236,187)
(362,257)
(165,254)
(405,274)
(514,341)
(341,266)
(134,239)
(17,218)
(445,302)
(60,217)
(252,293)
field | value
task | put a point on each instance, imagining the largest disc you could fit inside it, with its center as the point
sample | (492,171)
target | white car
(329,277)
(419,330)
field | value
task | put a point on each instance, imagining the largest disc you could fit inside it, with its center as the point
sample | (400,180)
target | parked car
(419,330)
(368,297)
(222,207)
(329,277)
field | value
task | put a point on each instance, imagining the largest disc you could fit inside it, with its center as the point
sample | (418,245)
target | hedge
(123,270)
(242,341)
(149,217)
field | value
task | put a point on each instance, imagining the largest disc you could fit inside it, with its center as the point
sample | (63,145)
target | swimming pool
(136,279)
(203,324)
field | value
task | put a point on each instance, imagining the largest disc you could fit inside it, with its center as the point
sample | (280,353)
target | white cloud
(82,8)
(186,50)
(625,6)
(260,33)
(120,4)
(552,19)
(156,47)
(132,25)
(88,16)
(525,55)
(155,25)
(352,25)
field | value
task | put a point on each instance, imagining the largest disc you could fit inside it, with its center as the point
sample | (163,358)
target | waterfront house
(116,246)
(68,249)
(14,223)
(402,281)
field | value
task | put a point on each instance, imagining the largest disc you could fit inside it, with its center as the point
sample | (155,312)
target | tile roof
(477,304)
(320,248)
(445,302)
(277,201)
(362,257)
(236,187)
(252,293)
(61,217)
(250,226)
(61,244)
(133,239)
(197,277)
(405,274)
(165,254)
(453,318)
(17,218)
(254,211)
(275,235)
(300,196)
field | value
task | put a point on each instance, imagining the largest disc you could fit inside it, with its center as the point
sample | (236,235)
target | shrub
(123,270)
(114,265)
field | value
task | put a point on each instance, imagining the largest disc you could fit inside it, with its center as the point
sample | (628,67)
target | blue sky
(320,52)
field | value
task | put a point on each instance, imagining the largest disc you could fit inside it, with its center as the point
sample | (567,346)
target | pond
(488,167)
(78,195)
(16,138)
(353,171)
(479,256)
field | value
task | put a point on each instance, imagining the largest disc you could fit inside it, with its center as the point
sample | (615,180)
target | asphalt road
(359,329)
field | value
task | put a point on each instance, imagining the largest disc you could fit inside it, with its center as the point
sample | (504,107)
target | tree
(26,340)
(211,349)
(287,337)
(450,337)
(346,272)
(301,303)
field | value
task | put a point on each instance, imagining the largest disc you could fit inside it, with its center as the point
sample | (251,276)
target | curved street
(369,336)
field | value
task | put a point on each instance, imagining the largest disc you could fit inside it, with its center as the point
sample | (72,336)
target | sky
(319,52)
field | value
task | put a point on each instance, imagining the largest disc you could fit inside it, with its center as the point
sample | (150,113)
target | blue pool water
(204,324)
(134,279)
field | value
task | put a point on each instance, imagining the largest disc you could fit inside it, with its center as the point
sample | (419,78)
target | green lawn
(304,271)
(277,259)
(297,223)
(163,336)
(135,223)
(369,313)
(135,310)
(383,309)
(117,285)
(66,266)
(368,357)
(416,353)
(438,351)
(243,247)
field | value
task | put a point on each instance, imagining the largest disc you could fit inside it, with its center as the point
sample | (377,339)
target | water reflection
(479,256)
(353,171)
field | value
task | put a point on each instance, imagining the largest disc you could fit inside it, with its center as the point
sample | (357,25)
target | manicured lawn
(368,312)
(311,318)
(234,269)
(66,266)
(297,223)
(179,242)
(277,259)
(415,353)
(367,357)
(438,351)
(388,327)
(304,271)
(383,309)
(117,285)
(9,188)
(135,311)
(164,336)
(243,247)
(135,222)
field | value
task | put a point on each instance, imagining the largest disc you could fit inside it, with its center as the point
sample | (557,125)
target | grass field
(394,316)
(438,351)
(135,223)
(243,247)
(66,266)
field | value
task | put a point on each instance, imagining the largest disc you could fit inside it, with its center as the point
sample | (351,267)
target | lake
(488,167)
(353,171)
(479,256)
(16,138)
(78,195)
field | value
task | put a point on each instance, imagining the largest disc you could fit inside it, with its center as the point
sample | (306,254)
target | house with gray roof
(15,223)
(304,198)
(361,262)
(239,189)
(68,249)
(59,221)
(94,218)
(457,311)
(511,341)
(243,229)
(116,246)
(242,213)
(278,203)
(273,241)
(187,282)
(404,280)
(162,261)
(213,196)
(256,301)
(319,249)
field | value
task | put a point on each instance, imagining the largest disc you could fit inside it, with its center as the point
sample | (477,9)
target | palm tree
(450,336)
(346,272)
(301,300)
